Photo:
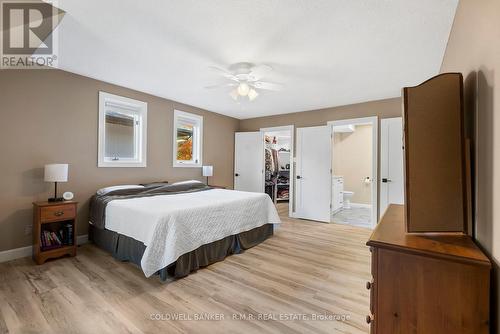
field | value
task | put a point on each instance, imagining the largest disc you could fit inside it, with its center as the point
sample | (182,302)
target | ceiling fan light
(234,94)
(243,89)
(252,94)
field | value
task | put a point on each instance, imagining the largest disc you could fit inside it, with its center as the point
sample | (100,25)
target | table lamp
(208,171)
(56,173)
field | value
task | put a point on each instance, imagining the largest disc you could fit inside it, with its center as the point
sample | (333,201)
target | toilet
(347,199)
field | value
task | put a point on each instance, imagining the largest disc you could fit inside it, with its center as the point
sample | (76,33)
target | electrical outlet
(28,229)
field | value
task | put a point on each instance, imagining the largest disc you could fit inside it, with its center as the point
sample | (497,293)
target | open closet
(263,162)
(277,163)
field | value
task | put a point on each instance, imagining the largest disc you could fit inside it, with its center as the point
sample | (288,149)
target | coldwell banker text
(28,37)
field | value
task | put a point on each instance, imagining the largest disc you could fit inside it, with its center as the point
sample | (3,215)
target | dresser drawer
(57,212)
(372,286)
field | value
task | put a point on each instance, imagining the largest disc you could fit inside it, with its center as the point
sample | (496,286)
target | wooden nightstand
(54,230)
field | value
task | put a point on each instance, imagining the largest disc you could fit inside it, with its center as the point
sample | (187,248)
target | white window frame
(197,120)
(133,107)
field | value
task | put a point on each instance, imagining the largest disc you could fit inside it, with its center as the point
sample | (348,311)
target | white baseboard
(18,253)
(82,239)
(360,205)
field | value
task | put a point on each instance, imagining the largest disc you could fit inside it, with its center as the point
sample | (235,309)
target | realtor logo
(28,36)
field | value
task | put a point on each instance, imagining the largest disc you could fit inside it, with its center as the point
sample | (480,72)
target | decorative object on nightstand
(208,171)
(68,196)
(54,230)
(56,173)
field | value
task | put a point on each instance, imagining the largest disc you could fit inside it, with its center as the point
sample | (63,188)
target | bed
(174,229)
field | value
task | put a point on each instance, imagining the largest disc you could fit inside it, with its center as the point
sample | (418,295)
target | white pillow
(104,191)
(185,182)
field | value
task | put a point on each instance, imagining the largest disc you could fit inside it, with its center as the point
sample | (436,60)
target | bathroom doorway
(354,172)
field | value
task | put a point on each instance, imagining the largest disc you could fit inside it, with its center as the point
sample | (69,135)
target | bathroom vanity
(337,193)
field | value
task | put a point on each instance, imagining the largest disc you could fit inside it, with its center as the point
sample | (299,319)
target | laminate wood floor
(306,270)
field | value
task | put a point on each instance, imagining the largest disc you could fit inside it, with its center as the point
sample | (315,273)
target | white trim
(361,205)
(197,147)
(17,253)
(291,188)
(136,107)
(82,239)
(373,120)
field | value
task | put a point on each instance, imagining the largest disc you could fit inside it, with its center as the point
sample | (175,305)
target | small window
(188,137)
(122,131)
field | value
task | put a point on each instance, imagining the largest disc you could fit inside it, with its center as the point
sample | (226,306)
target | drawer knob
(58,213)
(368,285)
(369,319)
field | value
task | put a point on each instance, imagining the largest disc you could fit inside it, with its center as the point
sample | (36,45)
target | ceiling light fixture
(234,94)
(245,78)
(252,94)
(243,89)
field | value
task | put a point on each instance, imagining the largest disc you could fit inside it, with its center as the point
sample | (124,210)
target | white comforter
(172,225)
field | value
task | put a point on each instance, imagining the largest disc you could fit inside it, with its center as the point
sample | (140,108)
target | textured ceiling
(326,52)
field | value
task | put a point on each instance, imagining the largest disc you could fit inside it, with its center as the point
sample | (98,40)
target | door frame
(291,129)
(373,121)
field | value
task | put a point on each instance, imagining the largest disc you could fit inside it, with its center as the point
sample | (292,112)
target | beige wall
(382,108)
(51,116)
(474,50)
(352,159)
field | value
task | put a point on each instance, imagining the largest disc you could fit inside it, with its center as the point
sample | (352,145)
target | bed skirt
(124,248)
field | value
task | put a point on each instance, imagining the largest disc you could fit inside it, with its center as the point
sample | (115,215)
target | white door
(248,161)
(313,173)
(391,163)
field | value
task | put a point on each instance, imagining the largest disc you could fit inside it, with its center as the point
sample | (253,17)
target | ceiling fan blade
(224,73)
(221,85)
(258,72)
(268,85)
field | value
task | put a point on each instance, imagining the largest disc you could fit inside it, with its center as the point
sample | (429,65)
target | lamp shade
(208,170)
(56,173)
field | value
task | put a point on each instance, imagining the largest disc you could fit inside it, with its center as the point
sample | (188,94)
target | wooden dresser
(426,283)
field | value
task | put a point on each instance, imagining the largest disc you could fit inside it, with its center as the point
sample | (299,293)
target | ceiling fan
(245,80)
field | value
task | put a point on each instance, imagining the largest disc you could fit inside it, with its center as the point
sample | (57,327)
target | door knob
(299,177)
(386,180)
(236,174)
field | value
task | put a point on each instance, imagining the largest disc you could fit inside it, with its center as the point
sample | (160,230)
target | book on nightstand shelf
(60,238)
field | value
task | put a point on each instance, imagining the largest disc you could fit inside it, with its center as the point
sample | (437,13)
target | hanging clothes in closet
(271,172)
